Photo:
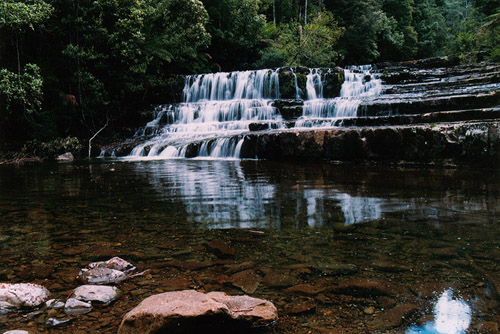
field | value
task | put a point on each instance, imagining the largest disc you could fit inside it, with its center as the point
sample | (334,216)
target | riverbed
(338,248)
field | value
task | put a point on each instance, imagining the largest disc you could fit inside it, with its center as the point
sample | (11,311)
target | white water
(359,84)
(219,107)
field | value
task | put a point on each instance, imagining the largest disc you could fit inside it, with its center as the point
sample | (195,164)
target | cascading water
(359,84)
(219,108)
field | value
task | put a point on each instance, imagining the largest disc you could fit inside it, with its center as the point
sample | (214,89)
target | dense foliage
(68,67)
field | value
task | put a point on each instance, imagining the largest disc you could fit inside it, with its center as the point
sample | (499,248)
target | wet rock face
(190,311)
(460,142)
(21,295)
(332,81)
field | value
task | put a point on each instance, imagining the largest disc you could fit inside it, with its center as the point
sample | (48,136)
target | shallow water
(339,248)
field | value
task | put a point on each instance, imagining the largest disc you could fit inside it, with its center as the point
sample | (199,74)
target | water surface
(339,248)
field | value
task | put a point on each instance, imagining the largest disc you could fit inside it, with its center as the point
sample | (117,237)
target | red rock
(190,311)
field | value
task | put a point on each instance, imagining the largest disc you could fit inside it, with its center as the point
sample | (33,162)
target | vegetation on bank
(69,67)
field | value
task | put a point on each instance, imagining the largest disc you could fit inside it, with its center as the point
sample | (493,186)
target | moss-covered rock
(332,78)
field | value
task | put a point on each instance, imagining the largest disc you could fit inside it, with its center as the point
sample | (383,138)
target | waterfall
(216,109)
(219,108)
(359,83)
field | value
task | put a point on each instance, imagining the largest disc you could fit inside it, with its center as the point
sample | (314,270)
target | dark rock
(279,278)
(395,317)
(427,290)
(335,269)
(304,289)
(189,311)
(306,306)
(365,288)
(220,248)
(248,281)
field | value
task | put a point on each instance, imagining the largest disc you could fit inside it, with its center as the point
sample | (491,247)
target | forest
(69,67)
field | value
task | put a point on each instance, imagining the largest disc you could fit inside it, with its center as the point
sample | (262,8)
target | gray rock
(21,295)
(115,263)
(74,307)
(54,303)
(66,157)
(101,276)
(99,293)
(106,272)
(190,311)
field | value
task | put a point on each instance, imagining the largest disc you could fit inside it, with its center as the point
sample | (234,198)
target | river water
(339,248)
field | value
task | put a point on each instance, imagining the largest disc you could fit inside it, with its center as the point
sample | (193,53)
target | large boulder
(190,311)
(21,295)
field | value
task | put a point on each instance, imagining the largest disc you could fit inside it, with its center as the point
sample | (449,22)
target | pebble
(74,307)
(53,322)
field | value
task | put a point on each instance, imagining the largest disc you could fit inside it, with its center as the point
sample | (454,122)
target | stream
(338,248)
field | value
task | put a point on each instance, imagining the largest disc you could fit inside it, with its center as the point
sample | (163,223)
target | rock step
(450,84)
(427,118)
(387,106)
(461,142)
(401,75)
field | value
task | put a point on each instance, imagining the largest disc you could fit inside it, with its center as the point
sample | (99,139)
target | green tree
(236,29)
(21,92)
(117,51)
(431,29)
(312,45)
(398,19)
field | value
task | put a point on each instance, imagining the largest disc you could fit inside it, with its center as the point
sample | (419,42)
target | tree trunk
(18,57)
(298,9)
(305,14)
(320,7)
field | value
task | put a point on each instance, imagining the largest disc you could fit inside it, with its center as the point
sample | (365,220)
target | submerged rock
(99,293)
(54,303)
(21,295)
(106,272)
(190,311)
(115,263)
(53,322)
(101,276)
(74,307)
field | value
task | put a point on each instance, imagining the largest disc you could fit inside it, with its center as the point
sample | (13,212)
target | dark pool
(339,248)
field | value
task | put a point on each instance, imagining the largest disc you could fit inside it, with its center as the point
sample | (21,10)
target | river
(339,248)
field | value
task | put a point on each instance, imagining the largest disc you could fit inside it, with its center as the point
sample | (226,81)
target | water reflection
(452,316)
(239,194)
